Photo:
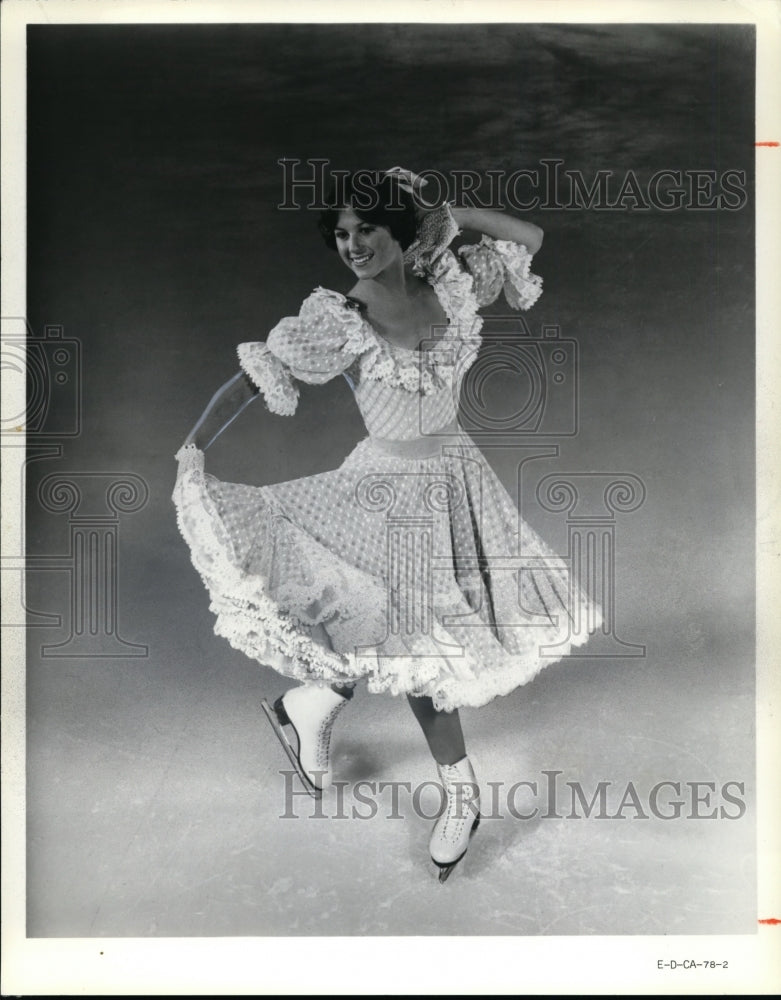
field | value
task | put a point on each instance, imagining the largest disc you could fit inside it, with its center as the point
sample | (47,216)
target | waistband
(422,447)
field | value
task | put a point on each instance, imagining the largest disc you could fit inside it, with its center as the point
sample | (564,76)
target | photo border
(583,965)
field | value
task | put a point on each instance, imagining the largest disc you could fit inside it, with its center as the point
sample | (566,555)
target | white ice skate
(310,712)
(459,819)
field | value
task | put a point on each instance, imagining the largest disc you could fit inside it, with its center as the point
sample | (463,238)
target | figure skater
(318,577)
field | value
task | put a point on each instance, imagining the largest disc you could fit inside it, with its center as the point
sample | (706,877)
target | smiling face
(366,248)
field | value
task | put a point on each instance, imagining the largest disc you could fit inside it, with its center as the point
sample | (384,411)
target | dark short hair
(374,197)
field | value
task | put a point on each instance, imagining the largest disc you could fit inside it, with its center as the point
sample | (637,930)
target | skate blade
(446,869)
(272,717)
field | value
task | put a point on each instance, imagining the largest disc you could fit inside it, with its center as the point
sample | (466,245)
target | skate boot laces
(312,712)
(460,815)
(462,806)
(323,743)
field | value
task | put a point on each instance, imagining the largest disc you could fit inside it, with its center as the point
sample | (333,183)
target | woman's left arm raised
(499,226)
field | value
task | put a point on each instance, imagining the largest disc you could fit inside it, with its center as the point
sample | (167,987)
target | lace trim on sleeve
(270,376)
(501,265)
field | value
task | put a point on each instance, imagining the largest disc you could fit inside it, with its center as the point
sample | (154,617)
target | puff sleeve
(317,345)
(501,265)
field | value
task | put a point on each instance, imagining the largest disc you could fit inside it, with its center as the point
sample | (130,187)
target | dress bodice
(402,394)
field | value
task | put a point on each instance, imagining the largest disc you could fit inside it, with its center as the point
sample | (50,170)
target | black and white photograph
(385,421)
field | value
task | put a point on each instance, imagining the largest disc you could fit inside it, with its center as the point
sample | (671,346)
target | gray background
(153,792)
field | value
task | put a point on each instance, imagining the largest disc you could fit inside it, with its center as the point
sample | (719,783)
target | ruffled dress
(411,554)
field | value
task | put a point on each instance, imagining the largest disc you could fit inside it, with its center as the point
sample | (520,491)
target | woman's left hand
(413,184)
(408,180)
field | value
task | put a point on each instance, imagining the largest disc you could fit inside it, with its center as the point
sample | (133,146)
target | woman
(406,566)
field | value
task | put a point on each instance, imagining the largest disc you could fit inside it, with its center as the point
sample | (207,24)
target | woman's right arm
(314,347)
(225,405)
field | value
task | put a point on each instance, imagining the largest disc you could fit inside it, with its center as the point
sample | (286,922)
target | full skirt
(420,571)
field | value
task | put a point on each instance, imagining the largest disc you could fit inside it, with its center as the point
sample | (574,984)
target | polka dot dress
(411,555)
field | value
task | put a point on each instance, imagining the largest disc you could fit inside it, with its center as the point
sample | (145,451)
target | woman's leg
(460,814)
(320,635)
(442,730)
